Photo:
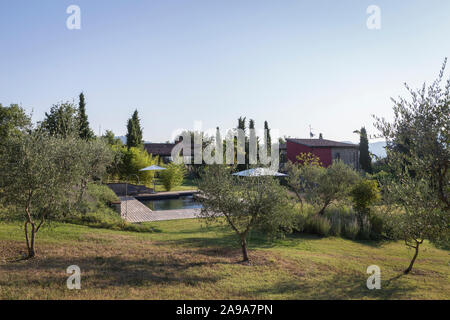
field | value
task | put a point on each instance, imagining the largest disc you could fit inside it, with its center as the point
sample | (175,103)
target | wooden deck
(134,211)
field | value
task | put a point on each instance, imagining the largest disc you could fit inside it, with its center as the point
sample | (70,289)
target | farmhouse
(326,150)
(163,150)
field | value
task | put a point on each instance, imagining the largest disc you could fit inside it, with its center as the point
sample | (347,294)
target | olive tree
(415,213)
(94,157)
(37,175)
(331,184)
(319,185)
(418,157)
(244,203)
(303,175)
(13,120)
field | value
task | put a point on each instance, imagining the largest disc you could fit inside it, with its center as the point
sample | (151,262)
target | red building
(326,150)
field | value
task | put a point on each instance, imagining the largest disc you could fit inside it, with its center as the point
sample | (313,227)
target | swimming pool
(183,202)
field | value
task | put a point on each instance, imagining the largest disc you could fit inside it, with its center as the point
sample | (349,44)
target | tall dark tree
(254,140)
(242,126)
(134,131)
(364,156)
(267,137)
(84,131)
(220,145)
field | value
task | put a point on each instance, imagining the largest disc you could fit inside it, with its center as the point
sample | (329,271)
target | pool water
(184,202)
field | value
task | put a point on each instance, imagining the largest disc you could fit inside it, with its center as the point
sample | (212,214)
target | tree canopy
(13,120)
(244,203)
(134,131)
(62,120)
(419,186)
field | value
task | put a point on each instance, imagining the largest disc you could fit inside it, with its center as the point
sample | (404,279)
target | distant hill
(377,148)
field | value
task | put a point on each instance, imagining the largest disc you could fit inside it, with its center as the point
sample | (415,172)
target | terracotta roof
(160,149)
(323,143)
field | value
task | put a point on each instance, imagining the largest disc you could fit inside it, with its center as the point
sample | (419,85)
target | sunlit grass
(187,260)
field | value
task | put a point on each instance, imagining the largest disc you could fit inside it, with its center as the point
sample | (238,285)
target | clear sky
(293,63)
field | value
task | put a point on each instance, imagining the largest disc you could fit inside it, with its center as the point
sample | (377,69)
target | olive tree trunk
(416,253)
(244,250)
(322,211)
(30,237)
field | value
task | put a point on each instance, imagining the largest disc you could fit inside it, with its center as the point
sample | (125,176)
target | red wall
(294,149)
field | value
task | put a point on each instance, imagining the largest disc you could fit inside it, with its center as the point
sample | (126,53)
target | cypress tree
(267,137)
(134,131)
(253,141)
(364,155)
(83,124)
(219,147)
(242,126)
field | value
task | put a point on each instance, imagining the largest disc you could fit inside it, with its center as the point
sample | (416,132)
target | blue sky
(293,63)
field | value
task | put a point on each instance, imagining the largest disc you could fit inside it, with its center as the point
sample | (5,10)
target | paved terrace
(134,211)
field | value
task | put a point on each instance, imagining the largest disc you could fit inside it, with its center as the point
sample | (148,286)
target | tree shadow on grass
(336,287)
(110,271)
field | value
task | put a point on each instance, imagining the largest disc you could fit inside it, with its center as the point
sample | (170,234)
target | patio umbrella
(257,172)
(153,168)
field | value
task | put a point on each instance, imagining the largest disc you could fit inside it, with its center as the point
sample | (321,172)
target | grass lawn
(186,260)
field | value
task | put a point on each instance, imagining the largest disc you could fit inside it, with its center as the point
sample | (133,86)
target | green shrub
(336,225)
(173,175)
(318,225)
(107,219)
(377,226)
(95,211)
(128,164)
(341,220)
(364,194)
(302,218)
(365,229)
(351,229)
(101,193)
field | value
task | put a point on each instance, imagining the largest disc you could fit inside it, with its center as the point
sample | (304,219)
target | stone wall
(349,156)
